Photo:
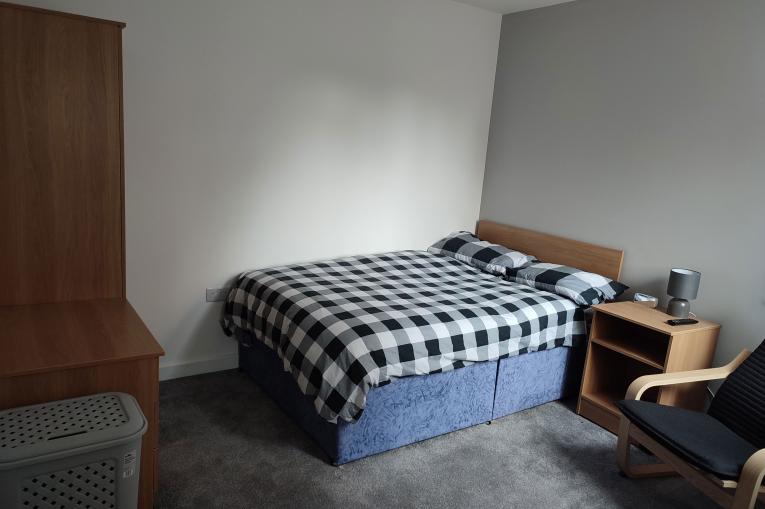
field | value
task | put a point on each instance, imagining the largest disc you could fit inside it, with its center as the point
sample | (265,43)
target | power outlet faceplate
(216,294)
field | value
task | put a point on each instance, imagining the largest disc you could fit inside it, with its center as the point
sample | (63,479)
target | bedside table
(629,340)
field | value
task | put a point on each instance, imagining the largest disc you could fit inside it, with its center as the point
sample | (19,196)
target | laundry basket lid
(61,428)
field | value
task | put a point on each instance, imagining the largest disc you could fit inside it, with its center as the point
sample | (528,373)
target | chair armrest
(755,463)
(642,384)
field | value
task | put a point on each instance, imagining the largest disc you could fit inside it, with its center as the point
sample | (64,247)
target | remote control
(682,321)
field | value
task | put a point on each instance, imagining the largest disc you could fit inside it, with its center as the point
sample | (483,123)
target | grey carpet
(224,443)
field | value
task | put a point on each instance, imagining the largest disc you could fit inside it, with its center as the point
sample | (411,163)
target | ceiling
(507,6)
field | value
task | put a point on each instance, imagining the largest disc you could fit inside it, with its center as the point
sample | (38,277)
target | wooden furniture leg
(750,482)
(637,471)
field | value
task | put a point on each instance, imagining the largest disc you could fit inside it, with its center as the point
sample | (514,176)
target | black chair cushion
(696,437)
(740,401)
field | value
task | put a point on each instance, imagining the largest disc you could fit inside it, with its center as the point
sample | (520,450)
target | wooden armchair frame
(749,485)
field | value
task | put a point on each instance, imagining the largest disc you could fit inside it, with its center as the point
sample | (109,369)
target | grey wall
(640,124)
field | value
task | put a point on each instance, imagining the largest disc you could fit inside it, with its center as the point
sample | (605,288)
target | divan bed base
(416,408)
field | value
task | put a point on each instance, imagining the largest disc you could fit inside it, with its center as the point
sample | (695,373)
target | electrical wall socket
(216,294)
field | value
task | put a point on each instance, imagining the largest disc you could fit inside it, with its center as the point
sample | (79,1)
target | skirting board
(198,367)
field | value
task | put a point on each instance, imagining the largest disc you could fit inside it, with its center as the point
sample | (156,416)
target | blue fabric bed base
(416,408)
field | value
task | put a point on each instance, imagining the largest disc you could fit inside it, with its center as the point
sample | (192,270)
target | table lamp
(683,285)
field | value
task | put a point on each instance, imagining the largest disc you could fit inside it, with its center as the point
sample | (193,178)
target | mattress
(343,326)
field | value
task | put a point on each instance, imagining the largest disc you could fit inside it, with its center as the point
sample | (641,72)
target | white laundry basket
(82,453)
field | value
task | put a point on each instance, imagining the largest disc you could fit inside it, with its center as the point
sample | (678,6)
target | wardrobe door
(61,219)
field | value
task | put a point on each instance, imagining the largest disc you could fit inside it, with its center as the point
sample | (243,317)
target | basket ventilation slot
(52,421)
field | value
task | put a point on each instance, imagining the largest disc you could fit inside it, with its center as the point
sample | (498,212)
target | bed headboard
(554,249)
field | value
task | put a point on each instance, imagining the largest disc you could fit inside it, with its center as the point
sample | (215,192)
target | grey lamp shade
(684,283)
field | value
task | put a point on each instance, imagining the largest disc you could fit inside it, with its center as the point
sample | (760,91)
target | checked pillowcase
(584,288)
(488,257)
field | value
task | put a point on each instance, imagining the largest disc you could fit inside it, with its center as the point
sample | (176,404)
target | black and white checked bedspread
(346,325)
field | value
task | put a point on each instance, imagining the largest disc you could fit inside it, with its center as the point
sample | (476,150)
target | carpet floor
(225,444)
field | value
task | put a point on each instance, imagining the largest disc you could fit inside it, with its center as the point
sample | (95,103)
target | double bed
(370,353)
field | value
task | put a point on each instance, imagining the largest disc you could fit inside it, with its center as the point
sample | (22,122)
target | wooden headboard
(554,249)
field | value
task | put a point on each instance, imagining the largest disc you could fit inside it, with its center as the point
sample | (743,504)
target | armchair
(718,451)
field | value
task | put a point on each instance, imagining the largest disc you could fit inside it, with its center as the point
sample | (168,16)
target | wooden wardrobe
(66,328)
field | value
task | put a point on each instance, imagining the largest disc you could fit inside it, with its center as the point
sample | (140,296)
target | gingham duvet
(346,325)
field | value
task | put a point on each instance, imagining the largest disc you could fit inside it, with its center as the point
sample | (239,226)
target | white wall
(640,124)
(271,131)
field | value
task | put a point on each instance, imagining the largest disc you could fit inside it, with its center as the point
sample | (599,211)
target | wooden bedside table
(629,340)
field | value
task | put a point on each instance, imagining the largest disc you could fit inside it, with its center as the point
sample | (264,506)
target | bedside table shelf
(627,341)
(650,356)
(603,400)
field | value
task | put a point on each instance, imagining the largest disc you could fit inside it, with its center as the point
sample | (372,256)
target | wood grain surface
(61,210)
(553,249)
